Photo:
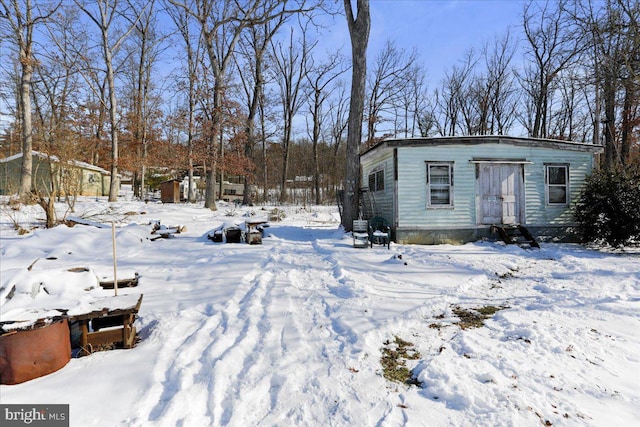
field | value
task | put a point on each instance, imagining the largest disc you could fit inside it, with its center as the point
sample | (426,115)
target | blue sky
(441,30)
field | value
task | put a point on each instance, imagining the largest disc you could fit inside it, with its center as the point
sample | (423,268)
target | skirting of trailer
(457,236)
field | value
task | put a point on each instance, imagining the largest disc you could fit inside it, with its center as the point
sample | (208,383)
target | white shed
(459,189)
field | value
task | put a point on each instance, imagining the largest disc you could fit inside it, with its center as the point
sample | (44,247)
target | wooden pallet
(111,323)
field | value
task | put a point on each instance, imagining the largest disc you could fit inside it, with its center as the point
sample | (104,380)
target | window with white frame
(557,184)
(439,184)
(376,180)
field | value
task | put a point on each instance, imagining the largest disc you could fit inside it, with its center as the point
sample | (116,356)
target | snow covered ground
(291,332)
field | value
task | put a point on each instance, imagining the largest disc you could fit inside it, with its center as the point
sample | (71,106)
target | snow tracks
(269,355)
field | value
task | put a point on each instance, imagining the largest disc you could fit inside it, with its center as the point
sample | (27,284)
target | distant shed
(49,172)
(170,191)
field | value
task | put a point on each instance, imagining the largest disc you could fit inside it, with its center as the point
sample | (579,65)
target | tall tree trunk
(113,122)
(285,158)
(26,171)
(21,24)
(104,20)
(250,123)
(265,168)
(610,155)
(627,121)
(316,138)
(359,33)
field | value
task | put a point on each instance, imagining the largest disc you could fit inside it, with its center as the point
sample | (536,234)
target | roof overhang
(487,139)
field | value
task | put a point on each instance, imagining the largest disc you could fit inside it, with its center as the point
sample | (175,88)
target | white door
(500,190)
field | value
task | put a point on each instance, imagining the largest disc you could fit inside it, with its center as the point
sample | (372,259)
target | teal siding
(404,201)
(412,190)
(384,199)
(537,211)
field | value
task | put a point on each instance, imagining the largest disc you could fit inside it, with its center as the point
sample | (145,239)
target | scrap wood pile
(31,348)
(50,312)
(250,231)
(165,232)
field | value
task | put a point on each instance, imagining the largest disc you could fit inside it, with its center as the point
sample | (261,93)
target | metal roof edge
(486,139)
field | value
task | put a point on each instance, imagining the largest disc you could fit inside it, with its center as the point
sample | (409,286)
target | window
(376,180)
(557,184)
(439,184)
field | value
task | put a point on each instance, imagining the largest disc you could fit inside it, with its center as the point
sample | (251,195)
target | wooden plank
(108,336)
(105,312)
(130,334)
(527,234)
(122,283)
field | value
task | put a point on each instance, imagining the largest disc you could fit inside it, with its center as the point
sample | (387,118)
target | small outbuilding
(48,171)
(170,191)
(458,189)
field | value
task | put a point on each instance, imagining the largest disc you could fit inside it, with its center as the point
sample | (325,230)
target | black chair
(379,232)
(233,234)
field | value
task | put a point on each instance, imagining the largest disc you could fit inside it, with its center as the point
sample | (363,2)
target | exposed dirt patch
(474,317)
(394,361)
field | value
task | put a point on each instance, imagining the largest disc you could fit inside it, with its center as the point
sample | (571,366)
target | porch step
(516,234)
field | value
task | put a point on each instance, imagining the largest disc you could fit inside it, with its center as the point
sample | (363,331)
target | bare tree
(553,45)
(320,77)
(497,99)
(359,27)
(56,89)
(188,83)
(570,120)
(20,23)
(268,125)
(104,14)
(411,100)
(254,51)
(221,25)
(289,65)
(336,128)
(613,40)
(452,98)
(630,11)
(145,50)
(390,77)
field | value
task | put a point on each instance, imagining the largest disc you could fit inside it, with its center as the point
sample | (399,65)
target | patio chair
(379,232)
(360,233)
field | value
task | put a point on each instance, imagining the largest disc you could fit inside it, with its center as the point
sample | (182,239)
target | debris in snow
(74,220)
(253,335)
(164,232)
(475,317)
(395,355)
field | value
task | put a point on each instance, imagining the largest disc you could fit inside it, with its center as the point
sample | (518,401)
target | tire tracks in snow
(292,334)
(267,355)
(212,338)
(272,353)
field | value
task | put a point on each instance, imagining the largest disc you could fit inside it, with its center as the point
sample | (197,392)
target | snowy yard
(291,332)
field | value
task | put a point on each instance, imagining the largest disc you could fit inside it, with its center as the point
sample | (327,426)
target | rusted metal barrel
(35,351)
